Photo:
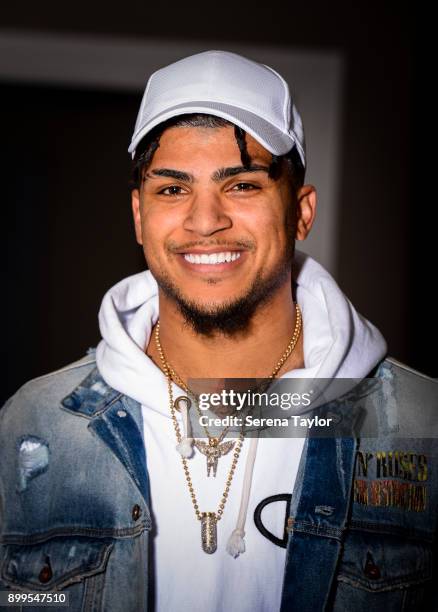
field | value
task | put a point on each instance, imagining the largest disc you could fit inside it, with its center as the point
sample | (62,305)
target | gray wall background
(67,120)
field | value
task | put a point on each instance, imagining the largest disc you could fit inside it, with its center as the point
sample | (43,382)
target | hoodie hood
(338,341)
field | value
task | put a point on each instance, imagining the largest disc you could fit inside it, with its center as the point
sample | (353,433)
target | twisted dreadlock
(241,143)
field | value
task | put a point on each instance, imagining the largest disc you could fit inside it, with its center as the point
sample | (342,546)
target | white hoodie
(338,342)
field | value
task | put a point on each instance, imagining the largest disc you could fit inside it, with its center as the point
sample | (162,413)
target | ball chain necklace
(209,520)
(214,449)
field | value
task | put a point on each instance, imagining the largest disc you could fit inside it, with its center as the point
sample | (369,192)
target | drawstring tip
(185,447)
(236,543)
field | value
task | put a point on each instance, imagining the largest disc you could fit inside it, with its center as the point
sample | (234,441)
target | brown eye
(244,187)
(172,190)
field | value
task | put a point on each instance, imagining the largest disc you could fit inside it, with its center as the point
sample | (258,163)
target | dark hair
(150,143)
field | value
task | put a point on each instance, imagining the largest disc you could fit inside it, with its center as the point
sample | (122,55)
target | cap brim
(269,136)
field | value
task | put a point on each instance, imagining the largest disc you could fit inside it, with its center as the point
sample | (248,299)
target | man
(105,495)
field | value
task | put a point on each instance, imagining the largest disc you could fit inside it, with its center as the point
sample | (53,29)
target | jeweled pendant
(213,451)
(209,532)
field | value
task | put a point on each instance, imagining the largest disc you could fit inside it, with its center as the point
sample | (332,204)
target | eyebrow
(224,173)
(176,174)
(217,176)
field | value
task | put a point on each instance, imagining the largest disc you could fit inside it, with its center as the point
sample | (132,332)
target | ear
(306,211)
(135,202)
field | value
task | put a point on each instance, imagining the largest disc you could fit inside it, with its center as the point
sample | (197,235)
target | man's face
(217,238)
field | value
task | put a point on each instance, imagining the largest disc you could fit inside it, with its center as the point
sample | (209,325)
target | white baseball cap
(250,95)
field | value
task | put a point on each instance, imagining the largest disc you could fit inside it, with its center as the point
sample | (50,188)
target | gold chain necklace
(176,378)
(209,520)
(214,450)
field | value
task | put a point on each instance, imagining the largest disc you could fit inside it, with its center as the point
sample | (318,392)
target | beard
(233,317)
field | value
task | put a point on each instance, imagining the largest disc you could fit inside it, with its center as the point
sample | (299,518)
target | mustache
(174,247)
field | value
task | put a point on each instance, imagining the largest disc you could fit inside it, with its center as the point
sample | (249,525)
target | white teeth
(211,258)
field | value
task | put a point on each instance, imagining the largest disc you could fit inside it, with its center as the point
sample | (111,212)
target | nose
(206,215)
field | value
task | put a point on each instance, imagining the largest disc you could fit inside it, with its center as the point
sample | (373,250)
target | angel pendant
(213,451)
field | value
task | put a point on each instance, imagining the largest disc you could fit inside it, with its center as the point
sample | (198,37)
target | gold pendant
(209,532)
(213,451)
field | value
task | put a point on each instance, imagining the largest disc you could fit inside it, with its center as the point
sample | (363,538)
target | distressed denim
(74,505)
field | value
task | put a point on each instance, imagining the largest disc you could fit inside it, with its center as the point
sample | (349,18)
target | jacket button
(371,570)
(45,574)
(136,512)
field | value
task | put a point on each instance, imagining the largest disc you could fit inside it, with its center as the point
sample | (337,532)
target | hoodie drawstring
(185,447)
(236,543)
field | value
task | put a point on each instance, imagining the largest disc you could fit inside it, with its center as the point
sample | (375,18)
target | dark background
(66,172)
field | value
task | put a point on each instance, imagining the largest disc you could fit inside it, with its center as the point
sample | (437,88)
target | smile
(212,258)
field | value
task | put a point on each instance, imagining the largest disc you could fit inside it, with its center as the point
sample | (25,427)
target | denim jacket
(74,504)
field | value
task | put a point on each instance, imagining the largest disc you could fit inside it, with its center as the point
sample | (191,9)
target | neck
(250,354)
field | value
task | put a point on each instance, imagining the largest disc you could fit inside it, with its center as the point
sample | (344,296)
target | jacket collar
(117,420)
(91,397)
